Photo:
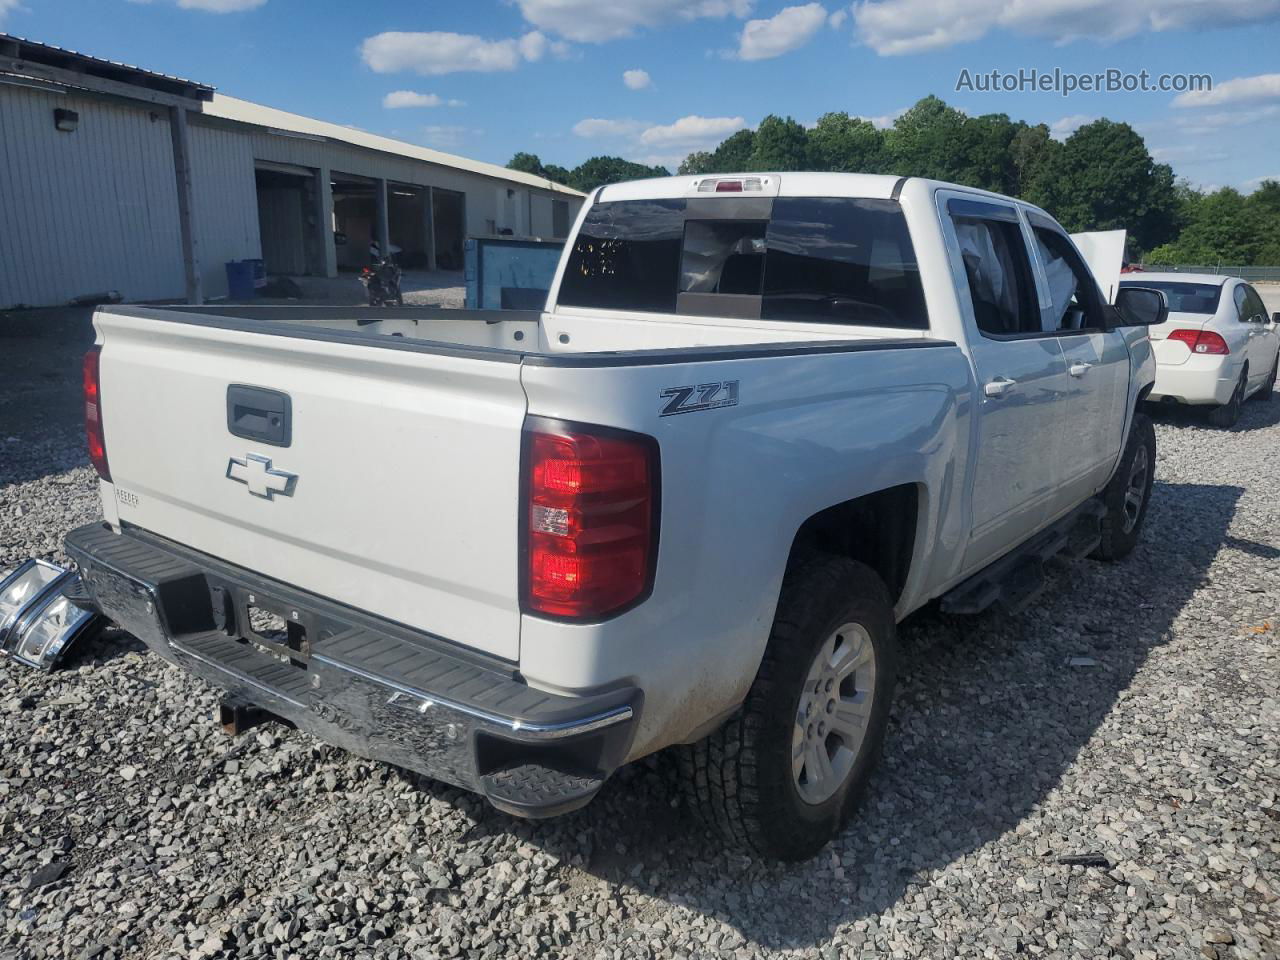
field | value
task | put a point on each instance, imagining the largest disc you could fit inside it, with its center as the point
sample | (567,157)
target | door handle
(1079,369)
(998,387)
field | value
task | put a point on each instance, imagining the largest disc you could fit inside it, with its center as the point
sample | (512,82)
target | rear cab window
(832,260)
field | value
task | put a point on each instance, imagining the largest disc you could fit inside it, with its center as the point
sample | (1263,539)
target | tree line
(1102,177)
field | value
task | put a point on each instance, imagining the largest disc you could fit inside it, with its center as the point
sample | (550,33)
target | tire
(1128,494)
(1267,391)
(1228,415)
(743,780)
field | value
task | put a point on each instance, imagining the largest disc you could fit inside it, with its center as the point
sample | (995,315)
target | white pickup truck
(761,420)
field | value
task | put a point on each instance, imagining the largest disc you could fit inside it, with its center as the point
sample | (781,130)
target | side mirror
(1275,318)
(1141,307)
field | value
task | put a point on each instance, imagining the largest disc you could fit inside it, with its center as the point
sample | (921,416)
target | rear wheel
(783,775)
(1268,389)
(1228,415)
(1127,495)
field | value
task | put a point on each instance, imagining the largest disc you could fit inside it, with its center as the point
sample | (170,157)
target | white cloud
(1205,123)
(692,132)
(636,79)
(533,45)
(788,30)
(884,121)
(433,53)
(597,127)
(837,19)
(595,21)
(446,137)
(911,26)
(1066,126)
(220,6)
(398,99)
(1253,183)
(7,7)
(1260,89)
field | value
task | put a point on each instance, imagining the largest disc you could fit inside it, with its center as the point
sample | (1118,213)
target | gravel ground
(1097,777)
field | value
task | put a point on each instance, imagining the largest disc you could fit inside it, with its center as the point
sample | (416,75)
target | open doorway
(448,217)
(408,225)
(355,218)
(287,222)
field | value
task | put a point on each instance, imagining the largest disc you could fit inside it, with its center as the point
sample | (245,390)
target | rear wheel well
(878,529)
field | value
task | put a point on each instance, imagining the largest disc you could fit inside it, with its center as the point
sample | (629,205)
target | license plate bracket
(279,628)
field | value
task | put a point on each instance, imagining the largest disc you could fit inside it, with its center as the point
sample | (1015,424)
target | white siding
(87,211)
(224,202)
(96,209)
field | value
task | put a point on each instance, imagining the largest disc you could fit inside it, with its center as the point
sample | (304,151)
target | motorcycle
(382,279)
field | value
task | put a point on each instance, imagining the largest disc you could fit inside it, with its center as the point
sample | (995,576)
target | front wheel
(1127,495)
(782,777)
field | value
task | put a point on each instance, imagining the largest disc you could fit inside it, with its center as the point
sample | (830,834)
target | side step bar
(1016,580)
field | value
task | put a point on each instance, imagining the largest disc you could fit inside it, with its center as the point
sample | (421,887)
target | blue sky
(654,79)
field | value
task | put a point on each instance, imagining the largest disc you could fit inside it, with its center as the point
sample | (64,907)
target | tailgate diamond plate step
(530,789)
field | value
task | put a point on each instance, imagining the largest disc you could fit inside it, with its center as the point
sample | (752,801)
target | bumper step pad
(532,790)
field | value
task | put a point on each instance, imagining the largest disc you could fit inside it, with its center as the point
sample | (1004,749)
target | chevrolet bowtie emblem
(260,477)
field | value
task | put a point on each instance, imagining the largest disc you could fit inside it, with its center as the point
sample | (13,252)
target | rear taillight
(1202,341)
(93,412)
(590,520)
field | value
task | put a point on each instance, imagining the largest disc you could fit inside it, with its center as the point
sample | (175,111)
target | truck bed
(510,335)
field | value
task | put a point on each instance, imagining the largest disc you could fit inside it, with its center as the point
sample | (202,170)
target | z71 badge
(703,396)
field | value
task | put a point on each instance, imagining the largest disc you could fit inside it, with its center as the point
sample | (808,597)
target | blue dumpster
(240,279)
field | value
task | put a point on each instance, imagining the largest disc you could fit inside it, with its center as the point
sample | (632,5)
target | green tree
(734,153)
(844,144)
(557,174)
(1104,179)
(984,155)
(598,171)
(924,140)
(780,144)
(698,162)
(1226,228)
(1032,152)
(527,163)
(530,163)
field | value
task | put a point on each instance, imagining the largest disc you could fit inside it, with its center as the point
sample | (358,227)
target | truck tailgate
(406,462)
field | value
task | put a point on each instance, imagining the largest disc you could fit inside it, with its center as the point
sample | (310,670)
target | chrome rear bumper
(375,688)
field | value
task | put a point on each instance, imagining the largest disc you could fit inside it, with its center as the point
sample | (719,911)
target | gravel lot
(1122,808)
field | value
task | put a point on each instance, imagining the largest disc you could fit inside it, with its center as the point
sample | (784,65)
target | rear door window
(817,260)
(994,253)
(842,260)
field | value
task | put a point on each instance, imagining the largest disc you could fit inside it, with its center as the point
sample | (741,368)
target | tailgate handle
(257,413)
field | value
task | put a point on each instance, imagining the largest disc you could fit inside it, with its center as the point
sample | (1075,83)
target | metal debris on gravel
(1024,806)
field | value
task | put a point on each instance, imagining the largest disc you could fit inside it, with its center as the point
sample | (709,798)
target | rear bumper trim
(378,691)
(527,729)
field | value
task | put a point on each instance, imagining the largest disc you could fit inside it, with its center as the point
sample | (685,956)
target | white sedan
(1218,347)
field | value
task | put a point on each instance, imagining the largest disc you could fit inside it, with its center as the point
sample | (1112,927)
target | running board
(1017,579)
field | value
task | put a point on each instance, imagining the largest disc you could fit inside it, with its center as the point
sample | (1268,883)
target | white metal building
(114,178)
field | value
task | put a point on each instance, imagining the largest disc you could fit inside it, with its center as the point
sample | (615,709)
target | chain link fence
(1250,274)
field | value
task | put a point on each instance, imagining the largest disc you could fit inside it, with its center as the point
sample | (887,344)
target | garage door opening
(408,225)
(448,216)
(287,224)
(355,219)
